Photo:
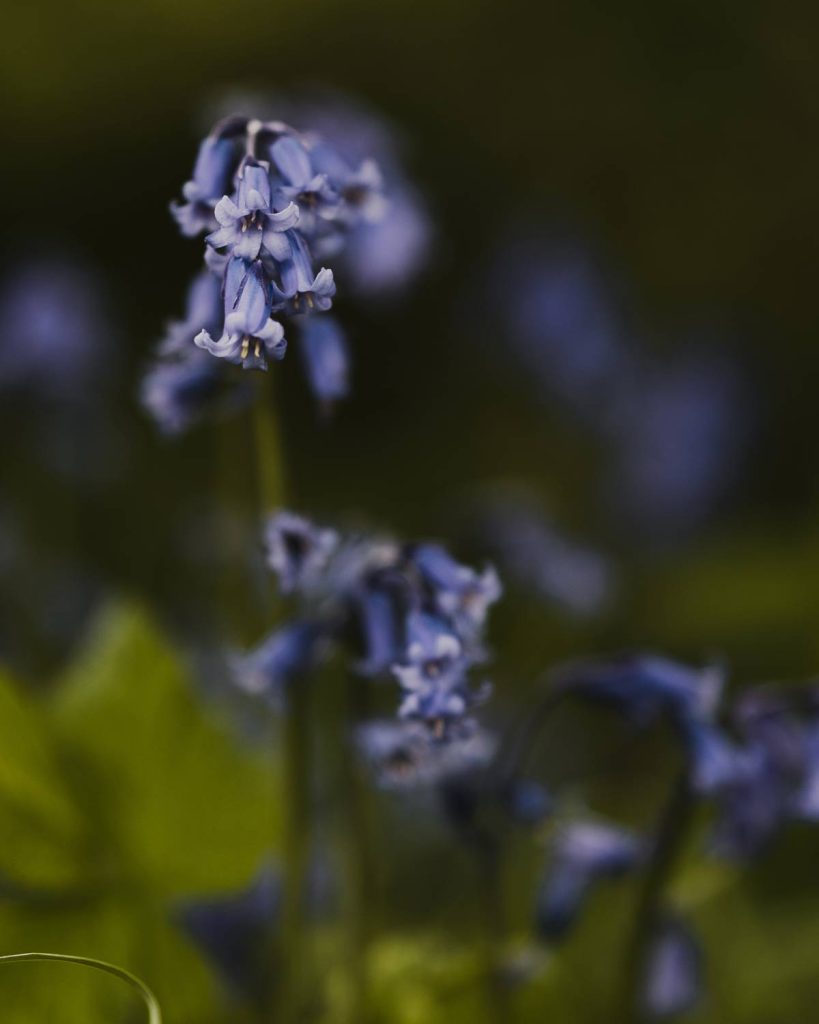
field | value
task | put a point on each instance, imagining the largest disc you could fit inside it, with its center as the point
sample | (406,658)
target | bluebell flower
(326,358)
(582,854)
(526,801)
(275,204)
(288,655)
(380,615)
(299,183)
(535,555)
(52,331)
(236,932)
(386,247)
(673,980)
(679,430)
(559,320)
(458,592)
(177,392)
(204,310)
(183,383)
(773,780)
(251,223)
(646,687)
(297,551)
(212,173)
(407,754)
(433,675)
(250,334)
(296,286)
(383,257)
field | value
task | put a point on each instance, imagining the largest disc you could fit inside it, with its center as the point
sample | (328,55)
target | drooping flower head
(274,205)
(409,610)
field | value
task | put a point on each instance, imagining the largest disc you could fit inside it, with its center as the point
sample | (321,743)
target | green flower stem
(356,839)
(498,1009)
(154,1013)
(295,956)
(270,482)
(295,959)
(674,823)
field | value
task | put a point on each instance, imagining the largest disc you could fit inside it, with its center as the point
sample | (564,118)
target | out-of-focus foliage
(106,822)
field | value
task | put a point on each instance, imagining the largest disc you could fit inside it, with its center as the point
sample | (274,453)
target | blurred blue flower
(387,247)
(297,551)
(532,553)
(407,754)
(774,776)
(52,331)
(645,687)
(582,854)
(324,350)
(458,592)
(433,675)
(379,610)
(679,430)
(183,384)
(674,971)
(288,655)
(215,165)
(177,392)
(237,934)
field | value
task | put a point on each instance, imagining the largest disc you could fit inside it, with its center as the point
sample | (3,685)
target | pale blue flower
(250,336)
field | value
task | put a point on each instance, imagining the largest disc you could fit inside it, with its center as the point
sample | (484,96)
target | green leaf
(180,801)
(40,826)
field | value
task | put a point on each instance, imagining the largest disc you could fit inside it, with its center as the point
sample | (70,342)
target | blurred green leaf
(40,826)
(186,806)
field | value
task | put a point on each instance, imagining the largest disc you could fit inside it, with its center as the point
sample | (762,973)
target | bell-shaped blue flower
(458,592)
(250,335)
(673,980)
(297,550)
(326,358)
(583,853)
(250,223)
(212,173)
(285,657)
(297,289)
(407,754)
(433,674)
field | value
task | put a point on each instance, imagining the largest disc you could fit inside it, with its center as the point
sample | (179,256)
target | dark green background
(678,138)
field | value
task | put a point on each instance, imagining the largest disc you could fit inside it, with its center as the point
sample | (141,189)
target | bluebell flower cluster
(776,770)
(409,610)
(753,760)
(275,206)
